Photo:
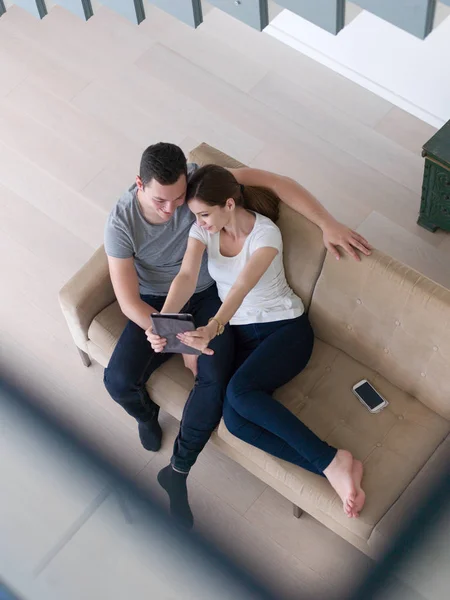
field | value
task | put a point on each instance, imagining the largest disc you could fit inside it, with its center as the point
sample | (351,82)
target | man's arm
(126,287)
(298,198)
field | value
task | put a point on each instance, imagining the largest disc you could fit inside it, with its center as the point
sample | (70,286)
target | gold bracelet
(220,327)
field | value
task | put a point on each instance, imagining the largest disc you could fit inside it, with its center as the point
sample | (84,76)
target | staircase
(414,16)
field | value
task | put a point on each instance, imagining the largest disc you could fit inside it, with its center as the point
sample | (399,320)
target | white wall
(414,74)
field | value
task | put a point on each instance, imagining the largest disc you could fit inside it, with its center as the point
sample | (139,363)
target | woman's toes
(360,498)
(339,474)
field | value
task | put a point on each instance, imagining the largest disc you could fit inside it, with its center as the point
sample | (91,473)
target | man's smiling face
(158,201)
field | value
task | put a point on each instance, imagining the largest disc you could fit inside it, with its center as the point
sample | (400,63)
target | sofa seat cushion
(169,386)
(394,444)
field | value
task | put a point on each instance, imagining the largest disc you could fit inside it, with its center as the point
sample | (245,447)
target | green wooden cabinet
(435,206)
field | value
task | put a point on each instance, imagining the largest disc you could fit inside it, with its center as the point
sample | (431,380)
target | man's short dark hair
(164,162)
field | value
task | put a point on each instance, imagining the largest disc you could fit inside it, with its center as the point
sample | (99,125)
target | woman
(274,339)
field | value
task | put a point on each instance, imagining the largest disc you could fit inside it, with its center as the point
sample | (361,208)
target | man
(145,239)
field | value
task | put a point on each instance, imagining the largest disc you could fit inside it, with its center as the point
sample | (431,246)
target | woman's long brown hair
(213,185)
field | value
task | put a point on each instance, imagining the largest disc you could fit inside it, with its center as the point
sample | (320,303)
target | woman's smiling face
(211,218)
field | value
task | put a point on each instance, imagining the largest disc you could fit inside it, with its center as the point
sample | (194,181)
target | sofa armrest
(402,511)
(85,295)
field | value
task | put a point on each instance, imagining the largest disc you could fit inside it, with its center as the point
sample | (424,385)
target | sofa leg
(297,511)
(84,357)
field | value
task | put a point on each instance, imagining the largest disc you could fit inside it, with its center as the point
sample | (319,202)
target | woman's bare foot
(360,494)
(340,474)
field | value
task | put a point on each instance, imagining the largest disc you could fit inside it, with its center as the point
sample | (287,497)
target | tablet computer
(169,325)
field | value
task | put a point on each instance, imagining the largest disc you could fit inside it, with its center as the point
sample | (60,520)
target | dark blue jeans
(133,361)
(268,355)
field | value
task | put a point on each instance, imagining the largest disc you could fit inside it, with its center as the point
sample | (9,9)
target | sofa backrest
(204,154)
(303,250)
(391,318)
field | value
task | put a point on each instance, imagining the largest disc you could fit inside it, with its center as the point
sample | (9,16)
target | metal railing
(414,16)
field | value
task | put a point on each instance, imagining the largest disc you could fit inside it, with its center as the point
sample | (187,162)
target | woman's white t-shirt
(271,299)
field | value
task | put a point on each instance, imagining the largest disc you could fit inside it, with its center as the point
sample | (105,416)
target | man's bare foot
(340,474)
(360,494)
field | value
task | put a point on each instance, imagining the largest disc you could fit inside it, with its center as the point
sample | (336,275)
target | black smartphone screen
(369,395)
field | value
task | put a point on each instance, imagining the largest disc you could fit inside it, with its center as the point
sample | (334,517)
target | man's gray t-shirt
(157,250)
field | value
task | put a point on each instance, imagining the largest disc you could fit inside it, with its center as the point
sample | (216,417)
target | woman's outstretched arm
(258,264)
(182,288)
(184,284)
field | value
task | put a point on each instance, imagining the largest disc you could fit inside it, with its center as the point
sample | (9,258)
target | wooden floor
(78,104)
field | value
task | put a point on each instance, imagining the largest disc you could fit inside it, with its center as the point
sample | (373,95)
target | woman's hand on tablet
(199,339)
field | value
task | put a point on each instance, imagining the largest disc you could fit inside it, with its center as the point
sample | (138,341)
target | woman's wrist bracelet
(220,327)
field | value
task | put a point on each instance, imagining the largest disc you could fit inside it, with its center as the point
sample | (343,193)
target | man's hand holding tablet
(163,332)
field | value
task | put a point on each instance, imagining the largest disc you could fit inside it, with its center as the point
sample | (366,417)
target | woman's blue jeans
(268,355)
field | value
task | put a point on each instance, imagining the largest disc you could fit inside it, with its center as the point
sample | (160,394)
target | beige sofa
(376,319)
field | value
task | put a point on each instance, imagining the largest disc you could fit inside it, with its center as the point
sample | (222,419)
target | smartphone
(369,397)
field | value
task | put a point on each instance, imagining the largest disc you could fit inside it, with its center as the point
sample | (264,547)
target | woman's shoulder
(198,233)
(265,224)
(202,235)
(265,233)
(264,221)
